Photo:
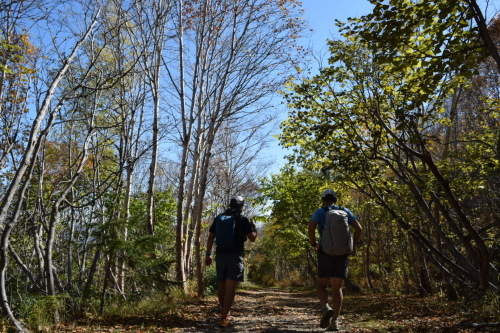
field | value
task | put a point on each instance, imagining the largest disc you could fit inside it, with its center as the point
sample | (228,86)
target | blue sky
(321,16)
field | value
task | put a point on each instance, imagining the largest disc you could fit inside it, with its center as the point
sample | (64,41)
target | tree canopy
(393,115)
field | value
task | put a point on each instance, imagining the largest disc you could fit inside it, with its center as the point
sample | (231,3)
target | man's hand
(208,260)
(252,225)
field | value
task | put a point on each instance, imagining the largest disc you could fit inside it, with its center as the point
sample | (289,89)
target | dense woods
(126,126)
(404,122)
(123,127)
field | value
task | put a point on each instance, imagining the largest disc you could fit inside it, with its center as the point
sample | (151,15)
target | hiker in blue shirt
(331,268)
(230,230)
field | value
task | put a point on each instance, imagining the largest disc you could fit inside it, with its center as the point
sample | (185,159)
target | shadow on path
(289,310)
(268,310)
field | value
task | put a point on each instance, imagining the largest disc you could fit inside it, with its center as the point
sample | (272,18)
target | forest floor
(259,309)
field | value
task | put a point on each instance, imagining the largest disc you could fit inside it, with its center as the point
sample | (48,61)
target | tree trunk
(160,17)
(192,199)
(4,259)
(199,203)
(455,205)
(450,290)
(27,163)
(489,44)
(367,257)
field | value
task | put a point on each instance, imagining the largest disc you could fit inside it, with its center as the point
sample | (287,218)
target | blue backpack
(225,231)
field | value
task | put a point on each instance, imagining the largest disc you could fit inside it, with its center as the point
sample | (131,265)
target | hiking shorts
(332,266)
(229,266)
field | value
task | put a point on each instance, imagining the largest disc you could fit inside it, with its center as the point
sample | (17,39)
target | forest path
(259,309)
(266,310)
(289,310)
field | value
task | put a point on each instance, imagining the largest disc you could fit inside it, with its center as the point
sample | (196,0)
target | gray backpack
(336,239)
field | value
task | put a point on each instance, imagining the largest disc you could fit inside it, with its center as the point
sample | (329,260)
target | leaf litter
(294,310)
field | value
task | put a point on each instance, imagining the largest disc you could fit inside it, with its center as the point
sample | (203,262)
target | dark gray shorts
(229,266)
(332,266)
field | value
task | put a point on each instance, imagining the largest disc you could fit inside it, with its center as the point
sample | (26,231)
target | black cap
(236,201)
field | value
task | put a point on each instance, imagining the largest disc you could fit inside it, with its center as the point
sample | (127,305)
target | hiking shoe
(334,325)
(327,315)
(224,322)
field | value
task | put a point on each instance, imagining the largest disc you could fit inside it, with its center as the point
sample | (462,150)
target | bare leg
(338,296)
(221,294)
(322,291)
(230,292)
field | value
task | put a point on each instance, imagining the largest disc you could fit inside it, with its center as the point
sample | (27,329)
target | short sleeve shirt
(241,229)
(319,217)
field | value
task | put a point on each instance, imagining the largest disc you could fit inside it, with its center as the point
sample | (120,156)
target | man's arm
(311,230)
(252,236)
(357,234)
(210,243)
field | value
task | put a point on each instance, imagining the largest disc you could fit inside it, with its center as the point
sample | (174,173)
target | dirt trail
(286,310)
(266,310)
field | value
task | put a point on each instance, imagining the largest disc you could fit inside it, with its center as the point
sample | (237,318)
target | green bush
(210,280)
(483,307)
(42,311)
(154,305)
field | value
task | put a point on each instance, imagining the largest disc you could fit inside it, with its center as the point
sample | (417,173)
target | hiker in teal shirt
(331,268)
(319,217)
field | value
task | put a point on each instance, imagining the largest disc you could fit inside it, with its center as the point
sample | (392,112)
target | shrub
(210,280)
(42,311)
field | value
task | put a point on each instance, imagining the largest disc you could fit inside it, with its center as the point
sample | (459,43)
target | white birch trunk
(27,162)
